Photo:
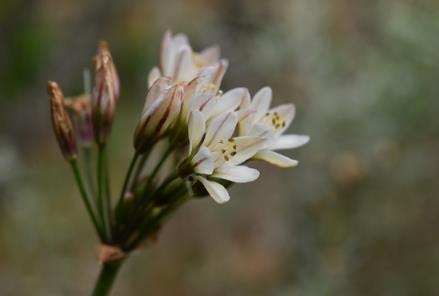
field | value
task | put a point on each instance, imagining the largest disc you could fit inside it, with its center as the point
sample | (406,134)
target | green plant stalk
(85,198)
(151,226)
(106,278)
(88,168)
(143,203)
(101,199)
(127,180)
(108,206)
(160,163)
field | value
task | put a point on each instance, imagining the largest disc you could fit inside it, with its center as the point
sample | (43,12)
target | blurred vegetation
(356,217)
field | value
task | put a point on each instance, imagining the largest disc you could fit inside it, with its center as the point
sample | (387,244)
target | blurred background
(358,216)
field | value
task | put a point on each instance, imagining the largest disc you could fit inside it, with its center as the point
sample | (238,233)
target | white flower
(202,89)
(256,119)
(215,154)
(161,109)
(179,62)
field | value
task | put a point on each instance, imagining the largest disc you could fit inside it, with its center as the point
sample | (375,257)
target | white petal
(261,102)
(223,65)
(210,55)
(245,120)
(158,89)
(276,159)
(290,142)
(203,162)
(154,74)
(237,174)
(220,127)
(247,147)
(217,191)
(196,127)
(184,70)
(212,75)
(287,112)
(180,40)
(174,107)
(225,103)
(166,62)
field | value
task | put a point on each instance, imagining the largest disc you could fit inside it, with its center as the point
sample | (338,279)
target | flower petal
(210,55)
(196,127)
(220,127)
(276,159)
(184,69)
(237,174)
(157,91)
(287,113)
(225,103)
(175,107)
(166,54)
(261,102)
(154,74)
(289,142)
(203,162)
(217,191)
(247,147)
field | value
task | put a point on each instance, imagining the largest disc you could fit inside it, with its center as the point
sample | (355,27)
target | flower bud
(62,126)
(162,107)
(105,93)
(80,108)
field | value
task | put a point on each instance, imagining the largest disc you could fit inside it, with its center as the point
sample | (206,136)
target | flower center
(275,120)
(227,148)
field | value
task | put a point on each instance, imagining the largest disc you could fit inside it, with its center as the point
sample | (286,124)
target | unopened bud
(105,93)
(162,107)
(80,108)
(62,126)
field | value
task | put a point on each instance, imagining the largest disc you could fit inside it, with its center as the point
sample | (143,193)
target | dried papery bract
(61,122)
(105,93)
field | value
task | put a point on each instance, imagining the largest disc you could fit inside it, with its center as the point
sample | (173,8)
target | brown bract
(107,253)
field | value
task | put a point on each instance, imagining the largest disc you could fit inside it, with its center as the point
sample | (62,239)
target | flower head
(214,153)
(62,126)
(257,119)
(179,62)
(105,93)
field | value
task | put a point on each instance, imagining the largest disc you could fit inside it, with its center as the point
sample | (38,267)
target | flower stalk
(106,278)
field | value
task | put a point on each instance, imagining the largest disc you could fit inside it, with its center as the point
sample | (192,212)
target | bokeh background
(358,216)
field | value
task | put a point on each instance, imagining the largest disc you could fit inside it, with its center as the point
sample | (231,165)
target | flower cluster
(224,130)
(212,134)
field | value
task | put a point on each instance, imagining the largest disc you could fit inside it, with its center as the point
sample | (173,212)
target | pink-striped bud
(105,93)
(162,107)
(62,126)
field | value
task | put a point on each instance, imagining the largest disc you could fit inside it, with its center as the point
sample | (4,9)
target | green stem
(106,278)
(85,198)
(151,226)
(159,164)
(127,179)
(101,201)
(88,168)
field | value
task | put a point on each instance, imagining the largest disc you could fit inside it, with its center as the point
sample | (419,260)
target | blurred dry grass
(357,217)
